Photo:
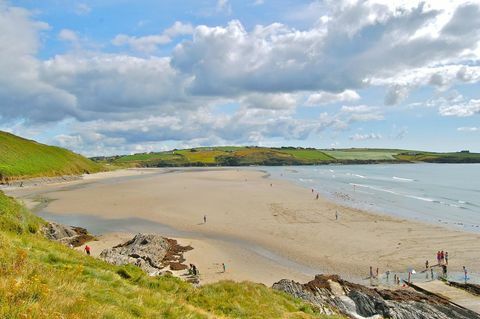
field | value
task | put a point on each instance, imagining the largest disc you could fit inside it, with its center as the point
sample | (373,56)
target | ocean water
(446,194)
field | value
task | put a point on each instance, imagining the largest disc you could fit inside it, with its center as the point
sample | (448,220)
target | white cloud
(150,43)
(270,101)
(224,6)
(464,109)
(364,137)
(327,97)
(258,2)
(468,129)
(68,35)
(82,9)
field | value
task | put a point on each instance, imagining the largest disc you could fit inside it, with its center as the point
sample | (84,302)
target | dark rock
(332,295)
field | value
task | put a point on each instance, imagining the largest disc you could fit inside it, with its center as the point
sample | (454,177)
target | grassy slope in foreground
(239,156)
(44,279)
(21,158)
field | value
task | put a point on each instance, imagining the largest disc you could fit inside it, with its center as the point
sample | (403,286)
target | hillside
(242,156)
(21,158)
(44,279)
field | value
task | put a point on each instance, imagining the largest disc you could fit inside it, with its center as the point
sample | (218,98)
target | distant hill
(243,156)
(21,158)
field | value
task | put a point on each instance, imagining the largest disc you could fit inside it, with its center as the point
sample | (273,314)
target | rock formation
(332,294)
(151,252)
(68,235)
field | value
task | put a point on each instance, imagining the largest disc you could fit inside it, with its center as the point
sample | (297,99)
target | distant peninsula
(273,156)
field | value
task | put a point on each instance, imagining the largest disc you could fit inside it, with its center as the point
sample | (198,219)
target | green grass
(44,279)
(308,154)
(21,158)
(362,154)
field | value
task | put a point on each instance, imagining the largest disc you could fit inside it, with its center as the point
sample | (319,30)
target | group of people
(442,257)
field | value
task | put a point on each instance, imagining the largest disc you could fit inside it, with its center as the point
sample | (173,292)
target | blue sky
(115,77)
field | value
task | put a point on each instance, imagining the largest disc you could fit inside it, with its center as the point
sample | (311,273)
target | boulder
(150,252)
(68,235)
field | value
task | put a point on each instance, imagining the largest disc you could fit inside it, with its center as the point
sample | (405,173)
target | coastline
(244,211)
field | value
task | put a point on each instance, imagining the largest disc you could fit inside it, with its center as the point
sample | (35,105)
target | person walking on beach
(204,219)
(336,215)
(438,257)
(426,264)
(431,272)
(465,274)
(224,267)
(316,196)
(442,256)
(388,275)
(446,257)
(87,249)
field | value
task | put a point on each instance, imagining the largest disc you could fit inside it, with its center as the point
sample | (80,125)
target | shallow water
(446,194)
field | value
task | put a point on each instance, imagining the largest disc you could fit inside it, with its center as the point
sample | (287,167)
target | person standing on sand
(446,257)
(431,271)
(336,215)
(442,256)
(204,219)
(438,257)
(426,264)
(224,267)
(316,196)
(87,249)
(465,274)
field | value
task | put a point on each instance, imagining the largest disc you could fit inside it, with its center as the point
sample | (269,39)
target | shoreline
(288,214)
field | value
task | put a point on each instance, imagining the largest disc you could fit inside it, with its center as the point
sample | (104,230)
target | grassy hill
(21,158)
(241,156)
(44,279)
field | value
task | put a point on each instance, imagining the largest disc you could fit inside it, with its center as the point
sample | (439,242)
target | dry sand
(263,233)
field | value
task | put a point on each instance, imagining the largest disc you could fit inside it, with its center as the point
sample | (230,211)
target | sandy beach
(262,229)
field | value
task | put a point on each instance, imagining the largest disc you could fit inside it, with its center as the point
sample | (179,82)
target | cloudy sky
(119,76)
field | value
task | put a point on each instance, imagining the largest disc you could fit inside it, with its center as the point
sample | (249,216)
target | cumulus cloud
(327,97)
(150,43)
(364,137)
(23,93)
(464,109)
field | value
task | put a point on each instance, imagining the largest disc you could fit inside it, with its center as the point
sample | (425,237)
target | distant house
(465,151)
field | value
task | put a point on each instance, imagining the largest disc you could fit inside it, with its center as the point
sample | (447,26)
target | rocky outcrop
(331,294)
(68,235)
(151,252)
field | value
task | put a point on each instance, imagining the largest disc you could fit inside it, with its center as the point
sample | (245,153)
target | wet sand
(262,232)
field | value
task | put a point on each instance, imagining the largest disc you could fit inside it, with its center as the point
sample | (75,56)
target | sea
(444,194)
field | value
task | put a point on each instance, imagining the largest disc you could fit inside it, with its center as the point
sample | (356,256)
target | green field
(44,279)
(22,158)
(362,154)
(242,156)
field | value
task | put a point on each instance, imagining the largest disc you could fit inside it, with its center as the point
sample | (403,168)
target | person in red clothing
(87,249)
(442,256)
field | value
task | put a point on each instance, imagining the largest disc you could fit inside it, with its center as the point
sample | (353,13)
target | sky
(111,77)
